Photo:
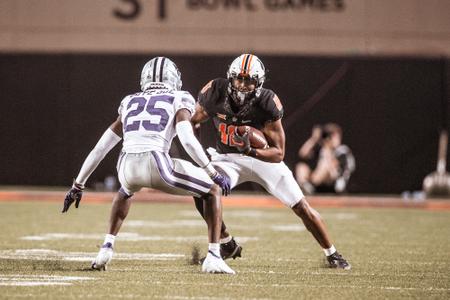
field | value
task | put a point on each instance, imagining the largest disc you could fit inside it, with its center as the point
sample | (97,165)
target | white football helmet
(160,72)
(247,68)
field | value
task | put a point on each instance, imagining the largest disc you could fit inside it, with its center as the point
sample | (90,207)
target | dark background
(55,107)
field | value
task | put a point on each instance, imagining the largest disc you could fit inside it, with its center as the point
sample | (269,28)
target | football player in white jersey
(148,121)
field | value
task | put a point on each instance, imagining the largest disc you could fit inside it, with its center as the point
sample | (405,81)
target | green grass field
(395,253)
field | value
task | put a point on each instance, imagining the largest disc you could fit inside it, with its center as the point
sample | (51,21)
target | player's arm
(276,138)
(195,150)
(274,133)
(200,115)
(107,141)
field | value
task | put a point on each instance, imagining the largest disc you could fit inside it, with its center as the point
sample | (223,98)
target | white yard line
(39,280)
(48,254)
(288,228)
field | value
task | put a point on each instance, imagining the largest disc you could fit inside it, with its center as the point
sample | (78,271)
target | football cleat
(230,250)
(104,256)
(215,264)
(336,260)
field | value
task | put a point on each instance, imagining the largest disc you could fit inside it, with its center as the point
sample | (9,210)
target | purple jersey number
(149,106)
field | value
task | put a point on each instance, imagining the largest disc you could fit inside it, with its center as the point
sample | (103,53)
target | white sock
(214,248)
(109,238)
(226,240)
(329,251)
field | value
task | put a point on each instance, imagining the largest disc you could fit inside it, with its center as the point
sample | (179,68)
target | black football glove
(73,195)
(223,181)
(243,143)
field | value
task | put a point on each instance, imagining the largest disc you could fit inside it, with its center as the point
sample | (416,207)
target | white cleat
(215,264)
(104,256)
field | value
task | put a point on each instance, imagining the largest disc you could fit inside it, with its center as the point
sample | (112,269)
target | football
(257,138)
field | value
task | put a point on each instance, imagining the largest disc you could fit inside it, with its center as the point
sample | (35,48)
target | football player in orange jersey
(240,99)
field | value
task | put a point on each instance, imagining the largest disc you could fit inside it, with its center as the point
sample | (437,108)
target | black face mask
(234,106)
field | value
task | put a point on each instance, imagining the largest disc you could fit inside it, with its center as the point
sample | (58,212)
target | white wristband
(210,170)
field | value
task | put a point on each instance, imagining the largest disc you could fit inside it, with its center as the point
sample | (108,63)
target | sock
(214,248)
(226,240)
(109,238)
(329,251)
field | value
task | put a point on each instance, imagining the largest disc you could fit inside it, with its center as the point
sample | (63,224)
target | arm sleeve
(193,147)
(108,140)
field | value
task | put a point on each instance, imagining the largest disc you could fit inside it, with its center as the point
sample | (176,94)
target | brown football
(257,138)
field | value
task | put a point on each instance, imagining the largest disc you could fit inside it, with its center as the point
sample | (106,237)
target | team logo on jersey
(221,116)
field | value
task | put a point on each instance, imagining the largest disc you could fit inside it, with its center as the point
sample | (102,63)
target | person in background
(325,163)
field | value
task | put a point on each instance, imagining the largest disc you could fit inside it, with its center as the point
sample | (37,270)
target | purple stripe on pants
(187,177)
(167,178)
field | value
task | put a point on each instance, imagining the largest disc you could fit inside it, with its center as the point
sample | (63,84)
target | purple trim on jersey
(187,177)
(168,180)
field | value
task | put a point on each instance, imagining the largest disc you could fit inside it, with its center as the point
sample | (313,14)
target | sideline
(236,200)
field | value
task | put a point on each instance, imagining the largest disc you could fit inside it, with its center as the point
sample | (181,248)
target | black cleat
(336,260)
(230,250)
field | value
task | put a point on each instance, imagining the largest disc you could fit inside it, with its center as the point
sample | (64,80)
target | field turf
(395,253)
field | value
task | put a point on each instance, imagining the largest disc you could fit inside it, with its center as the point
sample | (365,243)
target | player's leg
(229,248)
(119,211)
(199,204)
(281,184)
(177,176)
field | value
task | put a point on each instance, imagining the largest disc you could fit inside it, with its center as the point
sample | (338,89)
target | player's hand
(73,195)
(223,181)
(243,142)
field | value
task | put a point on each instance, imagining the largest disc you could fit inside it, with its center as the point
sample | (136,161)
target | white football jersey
(148,119)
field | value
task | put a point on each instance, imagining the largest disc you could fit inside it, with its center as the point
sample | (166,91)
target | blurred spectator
(325,163)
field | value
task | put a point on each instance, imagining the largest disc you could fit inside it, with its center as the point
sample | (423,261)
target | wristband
(78,185)
(251,152)
(210,170)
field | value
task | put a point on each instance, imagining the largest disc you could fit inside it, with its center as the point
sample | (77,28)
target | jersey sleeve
(184,100)
(272,106)
(209,94)
(121,106)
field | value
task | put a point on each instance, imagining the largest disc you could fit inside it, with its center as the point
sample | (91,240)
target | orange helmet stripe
(246,63)
(243,63)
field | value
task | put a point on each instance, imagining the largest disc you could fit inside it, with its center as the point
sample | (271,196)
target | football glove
(73,195)
(223,181)
(243,143)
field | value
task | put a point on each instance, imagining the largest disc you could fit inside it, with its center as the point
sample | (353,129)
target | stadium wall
(56,106)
